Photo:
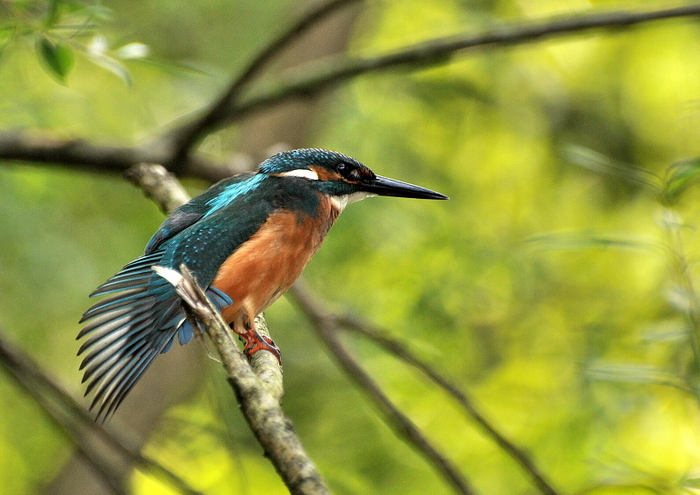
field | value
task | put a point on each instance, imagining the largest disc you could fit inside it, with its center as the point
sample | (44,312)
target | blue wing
(142,315)
(204,204)
(128,330)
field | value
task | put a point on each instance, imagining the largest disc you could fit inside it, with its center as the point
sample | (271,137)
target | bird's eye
(349,172)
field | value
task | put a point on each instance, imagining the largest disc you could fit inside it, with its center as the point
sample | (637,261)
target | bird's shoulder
(221,219)
(216,197)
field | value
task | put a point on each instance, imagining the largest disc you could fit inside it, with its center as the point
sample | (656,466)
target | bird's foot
(255,342)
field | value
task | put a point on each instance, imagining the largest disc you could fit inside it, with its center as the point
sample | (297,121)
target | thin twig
(319,76)
(399,350)
(260,407)
(187,135)
(326,327)
(77,423)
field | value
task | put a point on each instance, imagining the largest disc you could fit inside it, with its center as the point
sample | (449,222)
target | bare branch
(77,423)
(259,406)
(301,82)
(186,136)
(84,155)
(313,309)
(319,76)
(266,365)
(399,350)
(159,185)
(326,327)
(74,152)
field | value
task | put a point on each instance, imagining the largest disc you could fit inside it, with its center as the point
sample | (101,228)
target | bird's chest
(265,266)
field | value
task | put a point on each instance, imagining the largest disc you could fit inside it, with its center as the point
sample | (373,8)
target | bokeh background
(556,287)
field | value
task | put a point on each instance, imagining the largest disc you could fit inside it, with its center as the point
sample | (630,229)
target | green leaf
(99,12)
(680,176)
(599,163)
(692,482)
(57,59)
(112,65)
(634,373)
(173,67)
(52,13)
(5,37)
(590,239)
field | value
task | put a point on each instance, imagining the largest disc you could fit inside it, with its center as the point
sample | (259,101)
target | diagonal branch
(438,51)
(326,327)
(185,136)
(259,405)
(399,350)
(77,423)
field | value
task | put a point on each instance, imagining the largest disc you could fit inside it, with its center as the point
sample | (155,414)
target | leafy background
(555,287)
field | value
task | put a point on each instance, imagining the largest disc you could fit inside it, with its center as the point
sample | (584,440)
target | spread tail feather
(127,330)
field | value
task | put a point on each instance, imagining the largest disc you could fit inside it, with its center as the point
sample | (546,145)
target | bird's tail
(128,329)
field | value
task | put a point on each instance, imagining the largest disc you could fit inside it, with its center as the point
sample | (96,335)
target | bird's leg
(255,342)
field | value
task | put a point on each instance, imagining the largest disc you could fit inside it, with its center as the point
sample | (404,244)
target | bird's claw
(255,342)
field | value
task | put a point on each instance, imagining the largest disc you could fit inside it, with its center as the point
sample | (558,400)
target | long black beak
(383,186)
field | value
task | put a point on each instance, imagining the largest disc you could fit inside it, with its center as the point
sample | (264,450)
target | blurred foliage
(557,286)
(61,28)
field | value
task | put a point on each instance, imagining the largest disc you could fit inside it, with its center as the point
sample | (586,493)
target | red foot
(255,342)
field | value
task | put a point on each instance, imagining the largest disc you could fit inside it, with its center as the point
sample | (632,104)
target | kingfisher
(246,240)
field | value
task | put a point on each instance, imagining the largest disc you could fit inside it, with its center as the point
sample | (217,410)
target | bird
(246,240)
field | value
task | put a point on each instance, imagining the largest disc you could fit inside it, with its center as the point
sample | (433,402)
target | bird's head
(339,176)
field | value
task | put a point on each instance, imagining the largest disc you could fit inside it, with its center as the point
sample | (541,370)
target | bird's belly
(265,266)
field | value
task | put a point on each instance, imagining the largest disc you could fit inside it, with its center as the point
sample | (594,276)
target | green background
(548,287)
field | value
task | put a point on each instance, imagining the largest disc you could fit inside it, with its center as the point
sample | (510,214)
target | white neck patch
(301,172)
(340,202)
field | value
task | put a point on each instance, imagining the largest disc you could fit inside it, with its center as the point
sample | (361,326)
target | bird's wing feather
(192,211)
(126,331)
(141,316)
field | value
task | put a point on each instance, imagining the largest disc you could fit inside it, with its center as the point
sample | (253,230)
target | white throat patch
(340,202)
(301,172)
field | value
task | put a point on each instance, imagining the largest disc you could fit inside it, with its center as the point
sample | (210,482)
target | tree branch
(260,407)
(399,350)
(326,327)
(159,185)
(315,312)
(300,82)
(78,425)
(315,77)
(84,155)
(185,136)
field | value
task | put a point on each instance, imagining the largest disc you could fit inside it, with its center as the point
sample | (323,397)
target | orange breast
(266,265)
